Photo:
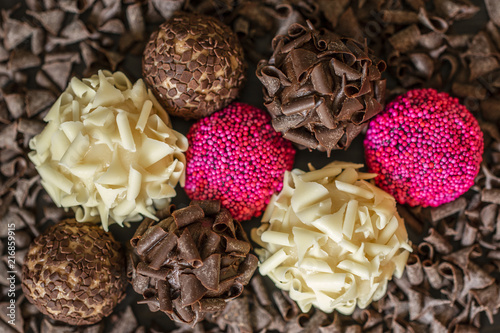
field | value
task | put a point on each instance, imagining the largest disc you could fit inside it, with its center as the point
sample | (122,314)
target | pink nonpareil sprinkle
(426,148)
(236,156)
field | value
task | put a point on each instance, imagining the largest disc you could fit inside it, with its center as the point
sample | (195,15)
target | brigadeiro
(426,148)
(75,272)
(192,262)
(321,89)
(235,156)
(194,64)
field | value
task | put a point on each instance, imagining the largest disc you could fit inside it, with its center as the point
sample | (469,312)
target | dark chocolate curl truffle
(321,89)
(192,264)
(194,65)
(75,273)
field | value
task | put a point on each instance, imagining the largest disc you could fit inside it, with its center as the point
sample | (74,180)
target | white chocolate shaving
(332,239)
(108,150)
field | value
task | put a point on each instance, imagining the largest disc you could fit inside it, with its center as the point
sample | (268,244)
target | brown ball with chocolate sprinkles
(75,272)
(194,65)
(321,89)
(192,262)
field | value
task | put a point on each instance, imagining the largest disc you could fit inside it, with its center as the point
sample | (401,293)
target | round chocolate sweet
(321,89)
(426,148)
(194,64)
(192,262)
(235,156)
(75,273)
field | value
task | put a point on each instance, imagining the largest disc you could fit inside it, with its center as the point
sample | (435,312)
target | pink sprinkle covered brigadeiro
(236,156)
(426,148)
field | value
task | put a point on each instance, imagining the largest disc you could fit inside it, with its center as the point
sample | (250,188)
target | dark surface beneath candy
(123,320)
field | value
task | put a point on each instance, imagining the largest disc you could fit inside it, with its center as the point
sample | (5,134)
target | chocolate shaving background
(450,44)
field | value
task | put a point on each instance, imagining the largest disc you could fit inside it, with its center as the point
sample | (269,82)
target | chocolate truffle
(75,272)
(332,239)
(194,64)
(321,89)
(235,156)
(426,147)
(109,150)
(192,262)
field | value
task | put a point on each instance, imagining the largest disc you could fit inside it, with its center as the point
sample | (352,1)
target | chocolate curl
(164,296)
(295,44)
(469,234)
(161,251)
(439,242)
(247,269)
(260,290)
(488,298)
(443,211)
(476,278)
(344,70)
(423,64)
(187,215)
(209,272)
(235,246)
(370,318)
(161,274)
(224,221)
(328,138)
(286,306)
(211,244)
(211,305)
(491,195)
(285,123)
(414,270)
(456,10)
(140,283)
(455,275)
(302,137)
(322,82)
(299,105)
(462,257)
(191,289)
(315,322)
(183,313)
(493,8)
(152,236)
(431,272)
(415,303)
(210,207)
(488,215)
(406,39)
(187,248)
(325,114)
(272,79)
(237,315)
(435,23)
(402,17)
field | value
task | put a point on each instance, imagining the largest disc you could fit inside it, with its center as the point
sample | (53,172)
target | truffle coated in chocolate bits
(194,65)
(321,89)
(192,262)
(75,273)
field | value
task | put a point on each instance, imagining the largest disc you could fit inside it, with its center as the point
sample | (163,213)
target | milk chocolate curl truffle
(321,89)
(194,64)
(108,150)
(332,239)
(75,272)
(192,262)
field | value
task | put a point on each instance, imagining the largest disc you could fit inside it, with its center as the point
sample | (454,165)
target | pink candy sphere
(236,156)
(426,148)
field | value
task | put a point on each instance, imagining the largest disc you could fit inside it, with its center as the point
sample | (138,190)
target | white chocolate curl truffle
(108,150)
(332,239)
